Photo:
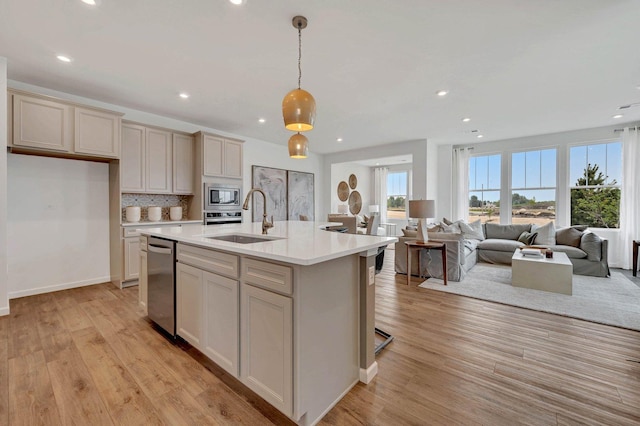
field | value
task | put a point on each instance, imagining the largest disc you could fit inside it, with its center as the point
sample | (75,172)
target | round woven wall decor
(355,202)
(353,181)
(343,191)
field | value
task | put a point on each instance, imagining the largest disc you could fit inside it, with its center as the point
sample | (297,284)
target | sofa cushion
(472,230)
(546,234)
(409,232)
(571,252)
(505,232)
(454,228)
(527,237)
(446,221)
(497,244)
(568,237)
(591,244)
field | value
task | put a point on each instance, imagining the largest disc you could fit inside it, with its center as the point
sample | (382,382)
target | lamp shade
(343,208)
(374,208)
(298,110)
(298,146)
(421,209)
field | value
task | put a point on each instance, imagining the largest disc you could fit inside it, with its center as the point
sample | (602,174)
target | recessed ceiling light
(466,119)
(89,2)
(618,116)
(237,2)
(480,136)
(442,92)
(339,140)
(261,120)
(63,58)
(184,95)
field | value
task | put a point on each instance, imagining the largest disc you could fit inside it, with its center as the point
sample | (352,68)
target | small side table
(635,257)
(429,245)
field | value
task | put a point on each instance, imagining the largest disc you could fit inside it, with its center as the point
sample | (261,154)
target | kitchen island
(291,317)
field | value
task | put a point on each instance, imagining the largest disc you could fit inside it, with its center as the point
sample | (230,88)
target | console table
(428,245)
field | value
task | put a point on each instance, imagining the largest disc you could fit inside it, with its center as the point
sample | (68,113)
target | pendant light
(298,146)
(298,106)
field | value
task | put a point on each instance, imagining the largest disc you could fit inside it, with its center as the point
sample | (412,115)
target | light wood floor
(87,356)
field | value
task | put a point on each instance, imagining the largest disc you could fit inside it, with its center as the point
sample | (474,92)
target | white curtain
(380,187)
(460,183)
(630,195)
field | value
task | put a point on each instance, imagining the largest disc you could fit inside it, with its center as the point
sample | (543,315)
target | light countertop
(300,243)
(163,223)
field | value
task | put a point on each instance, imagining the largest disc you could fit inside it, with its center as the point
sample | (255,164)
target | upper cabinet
(156,161)
(221,157)
(51,126)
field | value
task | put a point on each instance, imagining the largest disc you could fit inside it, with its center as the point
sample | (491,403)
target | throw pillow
(446,221)
(527,238)
(568,237)
(434,227)
(454,228)
(409,233)
(591,244)
(546,234)
(472,231)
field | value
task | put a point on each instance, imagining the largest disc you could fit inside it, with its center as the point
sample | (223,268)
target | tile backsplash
(165,201)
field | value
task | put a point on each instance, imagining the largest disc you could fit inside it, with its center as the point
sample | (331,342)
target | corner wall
(4,292)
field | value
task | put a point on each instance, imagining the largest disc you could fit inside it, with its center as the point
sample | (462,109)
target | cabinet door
(159,158)
(97,133)
(213,156)
(183,175)
(142,281)
(266,346)
(233,159)
(189,304)
(221,321)
(38,123)
(132,164)
(131,258)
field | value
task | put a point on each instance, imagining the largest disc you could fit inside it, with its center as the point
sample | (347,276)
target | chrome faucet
(265,224)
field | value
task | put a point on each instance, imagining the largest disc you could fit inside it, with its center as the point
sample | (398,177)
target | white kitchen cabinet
(142,281)
(131,258)
(43,124)
(221,157)
(183,161)
(132,160)
(267,346)
(221,321)
(159,161)
(189,304)
(96,133)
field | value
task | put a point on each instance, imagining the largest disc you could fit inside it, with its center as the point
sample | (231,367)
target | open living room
(239,212)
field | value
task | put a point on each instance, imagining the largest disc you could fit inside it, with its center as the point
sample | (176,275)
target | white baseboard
(366,375)
(58,287)
(4,311)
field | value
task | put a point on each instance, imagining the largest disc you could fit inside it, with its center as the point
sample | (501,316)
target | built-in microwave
(221,197)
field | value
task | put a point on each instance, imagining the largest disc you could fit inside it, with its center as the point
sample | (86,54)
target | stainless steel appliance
(222,197)
(220,217)
(161,303)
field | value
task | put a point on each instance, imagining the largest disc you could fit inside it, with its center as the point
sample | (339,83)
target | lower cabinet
(267,345)
(189,304)
(142,281)
(131,258)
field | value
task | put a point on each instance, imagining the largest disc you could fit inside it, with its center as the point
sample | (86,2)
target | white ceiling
(515,67)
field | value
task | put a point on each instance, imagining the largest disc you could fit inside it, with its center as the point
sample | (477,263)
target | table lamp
(342,208)
(421,210)
(374,208)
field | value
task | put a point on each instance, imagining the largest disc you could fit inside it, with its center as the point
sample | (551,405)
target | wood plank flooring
(88,356)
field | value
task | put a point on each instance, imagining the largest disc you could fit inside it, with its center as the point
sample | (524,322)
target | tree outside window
(396,195)
(596,171)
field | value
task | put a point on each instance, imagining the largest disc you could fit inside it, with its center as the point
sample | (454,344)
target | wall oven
(222,203)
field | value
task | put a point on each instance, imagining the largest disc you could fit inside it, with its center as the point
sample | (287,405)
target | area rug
(612,301)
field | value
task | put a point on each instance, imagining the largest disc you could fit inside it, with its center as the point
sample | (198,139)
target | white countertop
(301,243)
(163,223)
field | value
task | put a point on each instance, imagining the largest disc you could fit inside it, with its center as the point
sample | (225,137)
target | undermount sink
(244,238)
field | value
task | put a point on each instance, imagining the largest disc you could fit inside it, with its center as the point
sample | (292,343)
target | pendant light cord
(299,54)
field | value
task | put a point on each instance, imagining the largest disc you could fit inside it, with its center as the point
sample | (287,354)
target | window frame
(501,156)
(513,189)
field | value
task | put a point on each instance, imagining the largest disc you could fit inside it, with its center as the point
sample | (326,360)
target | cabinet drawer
(209,260)
(267,275)
(130,232)
(143,242)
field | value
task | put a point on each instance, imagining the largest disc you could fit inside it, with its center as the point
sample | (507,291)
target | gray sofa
(588,258)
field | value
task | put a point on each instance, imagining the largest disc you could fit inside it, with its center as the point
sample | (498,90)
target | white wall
(562,141)
(4,298)
(58,224)
(341,172)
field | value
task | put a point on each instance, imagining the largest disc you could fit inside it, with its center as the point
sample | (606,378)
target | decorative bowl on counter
(132,214)
(175,213)
(154,214)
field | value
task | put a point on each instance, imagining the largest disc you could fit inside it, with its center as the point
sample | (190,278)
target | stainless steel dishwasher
(161,264)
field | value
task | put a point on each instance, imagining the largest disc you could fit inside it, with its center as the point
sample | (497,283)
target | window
(595,174)
(484,188)
(533,187)
(396,195)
